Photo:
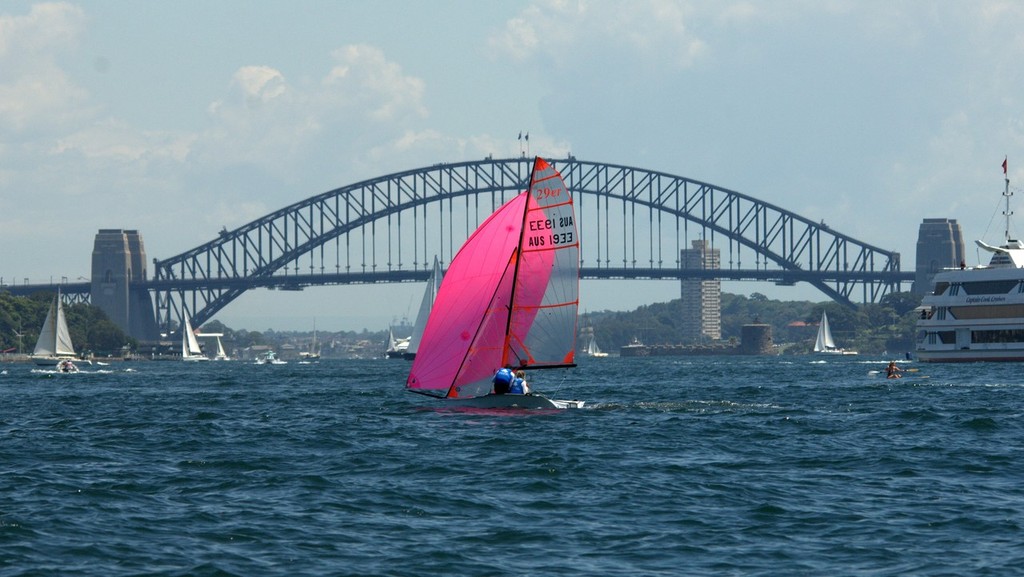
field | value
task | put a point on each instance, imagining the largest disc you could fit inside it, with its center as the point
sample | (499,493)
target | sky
(180,118)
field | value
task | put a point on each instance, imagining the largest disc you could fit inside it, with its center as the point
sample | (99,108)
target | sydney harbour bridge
(633,223)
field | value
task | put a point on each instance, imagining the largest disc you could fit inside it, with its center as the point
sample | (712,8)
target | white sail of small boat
(509,300)
(190,350)
(426,305)
(54,344)
(221,355)
(824,343)
(592,349)
(396,347)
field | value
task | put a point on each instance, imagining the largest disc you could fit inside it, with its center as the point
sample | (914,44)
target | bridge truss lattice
(633,224)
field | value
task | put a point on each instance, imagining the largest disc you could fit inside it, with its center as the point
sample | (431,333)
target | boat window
(940,287)
(992,287)
(988,312)
(947,337)
(1000,259)
(1000,336)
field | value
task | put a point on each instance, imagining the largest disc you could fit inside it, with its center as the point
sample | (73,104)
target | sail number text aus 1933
(555,238)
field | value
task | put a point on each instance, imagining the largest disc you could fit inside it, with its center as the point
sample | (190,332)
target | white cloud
(566,32)
(365,80)
(34,91)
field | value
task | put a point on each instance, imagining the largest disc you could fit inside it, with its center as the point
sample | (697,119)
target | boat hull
(971,356)
(528,401)
(48,361)
(973,315)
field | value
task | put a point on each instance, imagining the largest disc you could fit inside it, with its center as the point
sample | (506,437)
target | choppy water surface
(684,466)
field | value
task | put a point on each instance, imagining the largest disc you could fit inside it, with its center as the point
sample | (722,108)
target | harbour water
(678,466)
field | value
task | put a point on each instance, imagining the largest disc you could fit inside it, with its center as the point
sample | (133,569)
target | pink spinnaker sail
(510,296)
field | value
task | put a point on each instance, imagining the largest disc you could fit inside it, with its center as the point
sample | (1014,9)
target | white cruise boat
(977,313)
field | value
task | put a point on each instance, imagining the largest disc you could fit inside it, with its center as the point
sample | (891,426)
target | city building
(701,298)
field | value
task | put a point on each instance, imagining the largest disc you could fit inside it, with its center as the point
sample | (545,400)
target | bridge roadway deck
(77,291)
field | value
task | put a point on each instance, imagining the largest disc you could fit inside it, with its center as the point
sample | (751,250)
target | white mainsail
(54,339)
(190,350)
(824,342)
(221,355)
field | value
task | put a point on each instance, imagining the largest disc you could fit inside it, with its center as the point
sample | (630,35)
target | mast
(1007,194)
(518,254)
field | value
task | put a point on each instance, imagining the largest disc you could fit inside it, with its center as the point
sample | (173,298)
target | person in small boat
(892,371)
(503,380)
(519,385)
(67,366)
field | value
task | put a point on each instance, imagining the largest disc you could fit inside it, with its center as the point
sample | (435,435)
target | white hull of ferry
(972,355)
(984,332)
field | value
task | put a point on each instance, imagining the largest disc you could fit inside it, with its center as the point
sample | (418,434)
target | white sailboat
(396,347)
(190,350)
(824,343)
(592,349)
(433,284)
(221,355)
(313,354)
(54,344)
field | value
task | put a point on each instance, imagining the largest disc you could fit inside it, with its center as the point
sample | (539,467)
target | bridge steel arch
(633,224)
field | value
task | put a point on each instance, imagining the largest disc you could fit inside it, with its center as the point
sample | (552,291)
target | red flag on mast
(1004,165)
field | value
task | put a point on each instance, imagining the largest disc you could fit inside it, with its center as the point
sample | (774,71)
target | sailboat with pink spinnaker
(508,300)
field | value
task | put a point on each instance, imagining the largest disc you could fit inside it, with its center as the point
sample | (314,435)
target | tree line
(21,319)
(887,326)
(870,328)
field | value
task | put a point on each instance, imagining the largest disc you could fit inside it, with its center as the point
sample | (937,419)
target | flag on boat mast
(1004,162)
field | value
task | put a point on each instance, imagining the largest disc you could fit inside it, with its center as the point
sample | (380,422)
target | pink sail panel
(486,353)
(463,301)
(546,298)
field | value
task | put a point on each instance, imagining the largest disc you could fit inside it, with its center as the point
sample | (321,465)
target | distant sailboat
(592,349)
(824,343)
(313,354)
(429,294)
(54,344)
(190,350)
(396,347)
(221,355)
(509,300)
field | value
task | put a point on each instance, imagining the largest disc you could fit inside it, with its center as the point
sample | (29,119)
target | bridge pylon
(118,282)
